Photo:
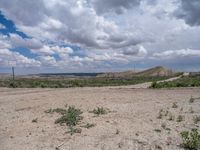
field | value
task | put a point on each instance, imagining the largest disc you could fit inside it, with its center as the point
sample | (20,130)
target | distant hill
(156,71)
(118,74)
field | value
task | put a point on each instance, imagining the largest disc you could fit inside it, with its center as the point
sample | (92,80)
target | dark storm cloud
(189,10)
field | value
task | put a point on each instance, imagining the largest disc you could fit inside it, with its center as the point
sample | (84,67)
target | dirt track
(133,113)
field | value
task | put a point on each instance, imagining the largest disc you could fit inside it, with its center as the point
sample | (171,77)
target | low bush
(186,81)
(71,117)
(191,139)
(99,111)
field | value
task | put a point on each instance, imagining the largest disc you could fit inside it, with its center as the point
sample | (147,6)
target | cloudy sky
(98,35)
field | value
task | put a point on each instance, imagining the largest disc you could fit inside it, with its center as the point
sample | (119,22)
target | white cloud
(48,61)
(72,22)
(9,58)
(106,33)
(18,41)
(173,54)
(4,42)
(135,51)
(116,6)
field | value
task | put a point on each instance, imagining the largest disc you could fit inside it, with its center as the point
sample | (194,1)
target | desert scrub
(153,84)
(73,130)
(191,100)
(99,111)
(57,110)
(163,125)
(196,119)
(157,130)
(174,105)
(160,114)
(187,81)
(71,117)
(180,118)
(79,82)
(171,117)
(191,139)
(191,110)
(35,120)
(88,125)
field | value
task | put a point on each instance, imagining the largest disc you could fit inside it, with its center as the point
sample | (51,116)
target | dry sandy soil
(131,124)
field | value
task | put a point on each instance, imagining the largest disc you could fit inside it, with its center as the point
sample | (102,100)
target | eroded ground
(132,124)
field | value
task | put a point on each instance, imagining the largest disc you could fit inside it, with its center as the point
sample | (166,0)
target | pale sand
(133,113)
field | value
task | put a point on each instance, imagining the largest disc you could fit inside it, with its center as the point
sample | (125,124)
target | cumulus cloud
(135,51)
(171,54)
(4,42)
(116,6)
(9,58)
(70,21)
(104,33)
(48,61)
(189,10)
(30,43)
(28,12)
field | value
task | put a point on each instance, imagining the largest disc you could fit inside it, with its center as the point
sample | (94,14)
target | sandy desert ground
(131,124)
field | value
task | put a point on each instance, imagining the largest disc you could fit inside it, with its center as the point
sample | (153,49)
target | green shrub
(71,117)
(191,140)
(78,82)
(186,81)
(153,84)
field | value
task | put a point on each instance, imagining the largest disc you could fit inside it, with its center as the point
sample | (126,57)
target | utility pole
(134,67)
(13,73)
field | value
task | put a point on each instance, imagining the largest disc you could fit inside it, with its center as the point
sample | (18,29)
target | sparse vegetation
(57,110)
(196,119)
(174,105)
(158,147)
(163,125)
(191,100)
(191,110)
(78,82)
(99,111)
(180,118)
(88,125)
(171,117)
(73,130)
(160,114)
(191,139)
(71,117)
(35,120)
(157,130)
(153,84)
(117,131)
(185,81)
